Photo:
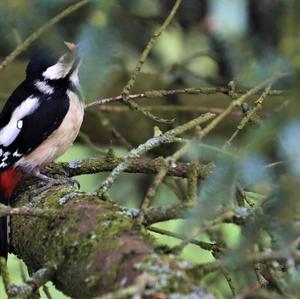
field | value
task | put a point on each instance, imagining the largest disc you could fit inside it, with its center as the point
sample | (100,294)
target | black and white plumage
(40,120)
(45,108)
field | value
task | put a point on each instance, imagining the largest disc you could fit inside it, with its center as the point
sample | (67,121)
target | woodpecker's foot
(50,182)
(59,171)
(53,181)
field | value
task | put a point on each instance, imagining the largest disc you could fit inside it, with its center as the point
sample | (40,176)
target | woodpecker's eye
(20,124)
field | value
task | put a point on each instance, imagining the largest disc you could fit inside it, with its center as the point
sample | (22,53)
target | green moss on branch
(107,164)
(93,247)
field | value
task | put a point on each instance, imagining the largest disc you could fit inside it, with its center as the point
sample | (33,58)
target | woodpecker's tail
(8,181)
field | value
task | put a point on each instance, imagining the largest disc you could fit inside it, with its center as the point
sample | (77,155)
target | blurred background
(209,44)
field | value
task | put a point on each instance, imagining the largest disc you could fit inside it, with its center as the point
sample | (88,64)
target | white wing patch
(11,131)
(17,154)
(43,87)
(3,164)
(4,158)
(20,124)
(6,155)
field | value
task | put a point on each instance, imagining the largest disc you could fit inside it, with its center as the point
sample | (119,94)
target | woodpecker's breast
(59,140)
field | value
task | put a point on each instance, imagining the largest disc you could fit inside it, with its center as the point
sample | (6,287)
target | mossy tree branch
(147,166)
(93,248)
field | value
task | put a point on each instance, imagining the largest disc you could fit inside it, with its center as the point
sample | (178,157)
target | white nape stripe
(11,131)
(58,70)
(43,87)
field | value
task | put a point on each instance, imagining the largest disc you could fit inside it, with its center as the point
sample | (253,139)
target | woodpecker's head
(45,66)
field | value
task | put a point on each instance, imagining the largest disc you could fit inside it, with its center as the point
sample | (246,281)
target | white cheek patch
(43,87)
(11,131)
(58,70)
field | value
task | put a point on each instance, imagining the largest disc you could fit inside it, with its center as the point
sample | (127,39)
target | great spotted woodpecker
(40,120)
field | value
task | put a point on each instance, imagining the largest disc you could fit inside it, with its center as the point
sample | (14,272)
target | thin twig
(192,183)
(234,104)
(87,140)
(169,108)
(107,124)
(5,274)
(228,278)
(260,278)
(249,115)
(201,244)
(168,137)
(24,290)
(250,258)
(35,35)
(151,192)
(152,94)
(25,211)
(216,121)
(153,187)
(47,292)
(22,271)
(202,229)
(142,60)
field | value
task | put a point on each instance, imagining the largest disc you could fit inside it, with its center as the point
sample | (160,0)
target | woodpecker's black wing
(27,119)
(21,93)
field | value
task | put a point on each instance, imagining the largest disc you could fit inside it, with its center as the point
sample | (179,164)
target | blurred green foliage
(209,44)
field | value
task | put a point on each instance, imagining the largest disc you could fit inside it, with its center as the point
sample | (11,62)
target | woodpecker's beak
(75,58)
(72,47)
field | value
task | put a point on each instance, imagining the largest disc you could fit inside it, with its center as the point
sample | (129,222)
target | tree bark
(95,248)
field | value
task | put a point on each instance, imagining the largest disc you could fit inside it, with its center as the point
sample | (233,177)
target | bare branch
(168,137)
(41,30)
